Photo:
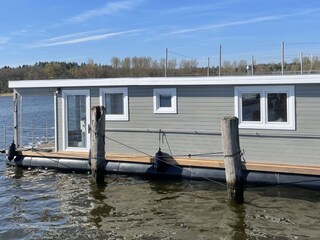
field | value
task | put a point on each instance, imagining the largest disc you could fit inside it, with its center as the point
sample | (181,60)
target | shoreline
(5,94)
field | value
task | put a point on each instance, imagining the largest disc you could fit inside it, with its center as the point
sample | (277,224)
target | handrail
(213,133)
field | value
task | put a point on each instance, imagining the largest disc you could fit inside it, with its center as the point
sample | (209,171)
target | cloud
(79,38)
(200,8)
(3,40)
(242,22)
(108,9)
(228,24)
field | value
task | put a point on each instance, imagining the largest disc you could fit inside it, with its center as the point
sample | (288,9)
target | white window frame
(65,94)
(157,92)
(263,91)
(116,117)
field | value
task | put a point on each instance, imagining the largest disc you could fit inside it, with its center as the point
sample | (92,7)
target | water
(45,204)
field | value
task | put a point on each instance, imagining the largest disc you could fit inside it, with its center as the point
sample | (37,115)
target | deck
(190,162)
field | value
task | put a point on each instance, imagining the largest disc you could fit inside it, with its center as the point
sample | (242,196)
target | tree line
(144,67)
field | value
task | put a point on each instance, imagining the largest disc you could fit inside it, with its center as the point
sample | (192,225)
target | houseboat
(278,117)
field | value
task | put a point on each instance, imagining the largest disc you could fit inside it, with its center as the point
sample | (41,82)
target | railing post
(282,57)
(220,59)
(232,159)
(5,137)
(98,162)
(46,131)
(32,135)
(15,118)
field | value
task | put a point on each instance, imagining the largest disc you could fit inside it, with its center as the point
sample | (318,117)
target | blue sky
(78,30)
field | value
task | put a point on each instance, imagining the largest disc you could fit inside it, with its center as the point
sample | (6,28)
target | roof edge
(167,81)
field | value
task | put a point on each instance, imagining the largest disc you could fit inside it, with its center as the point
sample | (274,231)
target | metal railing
(30,136)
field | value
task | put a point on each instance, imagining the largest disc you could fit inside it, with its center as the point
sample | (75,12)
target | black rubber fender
(11,151)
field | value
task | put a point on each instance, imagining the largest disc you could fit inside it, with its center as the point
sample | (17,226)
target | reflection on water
(42,204)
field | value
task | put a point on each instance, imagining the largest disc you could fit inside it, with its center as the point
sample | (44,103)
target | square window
(114,103)
(164,100)
(265,107)
(115,100)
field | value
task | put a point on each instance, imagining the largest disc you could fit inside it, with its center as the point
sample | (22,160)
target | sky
(78,30)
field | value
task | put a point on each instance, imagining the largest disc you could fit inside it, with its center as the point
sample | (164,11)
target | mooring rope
(173,165)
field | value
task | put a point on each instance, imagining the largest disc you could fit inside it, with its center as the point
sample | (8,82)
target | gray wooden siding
(201,108)
(194,113)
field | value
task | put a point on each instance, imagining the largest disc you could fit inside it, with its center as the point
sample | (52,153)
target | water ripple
(44,204)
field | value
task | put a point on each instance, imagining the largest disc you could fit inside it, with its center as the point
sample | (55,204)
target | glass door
(76,119)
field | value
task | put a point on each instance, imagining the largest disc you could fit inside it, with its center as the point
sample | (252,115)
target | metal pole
(208,69)
(220,56)
(15,118)
(252,64)
(21,121)
(166,63)
(311,63)
(5,136)
(32,135)
(46,131)
(282,57)
(301,64)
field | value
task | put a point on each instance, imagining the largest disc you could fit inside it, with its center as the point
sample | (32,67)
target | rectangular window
(165,100)
(251,107)
(115,100)
(277,107)
(76,121)
(265,107)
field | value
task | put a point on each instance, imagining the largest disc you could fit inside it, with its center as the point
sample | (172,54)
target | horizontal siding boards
(287,151)
(195,112)
(308,109)
(180,145)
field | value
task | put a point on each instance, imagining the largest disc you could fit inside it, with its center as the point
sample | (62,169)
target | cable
(180,168)
(165,135)
(182,55)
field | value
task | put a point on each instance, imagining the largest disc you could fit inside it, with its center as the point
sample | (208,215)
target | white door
(76,117)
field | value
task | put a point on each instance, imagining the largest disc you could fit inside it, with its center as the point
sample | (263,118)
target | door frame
(65,94)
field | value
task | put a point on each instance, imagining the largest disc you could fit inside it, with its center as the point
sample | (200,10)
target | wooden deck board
(192,162)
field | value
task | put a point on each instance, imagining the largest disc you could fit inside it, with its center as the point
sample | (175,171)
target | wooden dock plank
(192,162)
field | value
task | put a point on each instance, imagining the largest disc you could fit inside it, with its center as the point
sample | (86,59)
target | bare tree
(115,62)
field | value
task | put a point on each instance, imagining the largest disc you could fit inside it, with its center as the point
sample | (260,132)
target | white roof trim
(168,81)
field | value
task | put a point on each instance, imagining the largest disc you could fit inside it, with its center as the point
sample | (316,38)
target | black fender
(12,151)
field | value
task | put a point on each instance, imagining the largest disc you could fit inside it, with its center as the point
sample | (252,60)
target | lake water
(45,204)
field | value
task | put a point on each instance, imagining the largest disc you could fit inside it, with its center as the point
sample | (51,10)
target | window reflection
(77,126)
(277,107)
(114,103)
(165,100)
(251,107)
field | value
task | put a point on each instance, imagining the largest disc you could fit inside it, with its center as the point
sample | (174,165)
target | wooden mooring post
(232,159)
(97,135)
